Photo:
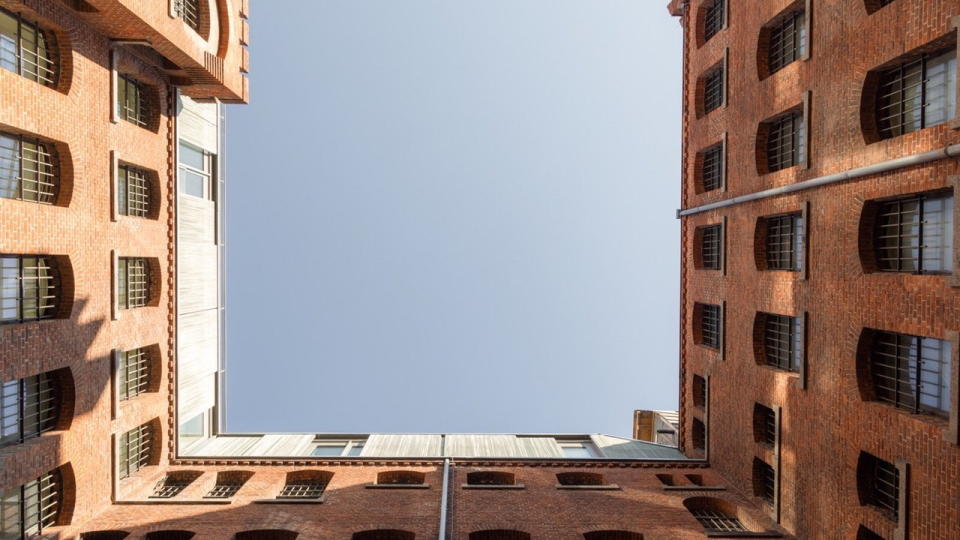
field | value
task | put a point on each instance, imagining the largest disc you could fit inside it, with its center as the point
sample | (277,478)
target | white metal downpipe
(443,500)
(884,166)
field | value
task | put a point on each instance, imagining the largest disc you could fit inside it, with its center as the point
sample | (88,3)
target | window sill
(493,486)
(694,488)
(289,501)
(397,486)
(607,487)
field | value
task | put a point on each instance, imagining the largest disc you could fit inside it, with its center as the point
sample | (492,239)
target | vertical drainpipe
(444,492)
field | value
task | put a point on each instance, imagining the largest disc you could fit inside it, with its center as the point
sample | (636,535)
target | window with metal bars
(136,448)
(917,94)
(709,325)
(787,40)
(401,478)
(29,288)
(302,490)
(170,486)
(134,372)
(912,372)
(714,19)
(915,234)
(26,49)
(782,341)
(783,249)
(713,89)
(491,478)
(711,242)
(764,480)
(28,408)
(132,102)
(28,169)
(699,391)
(785,141)
(189,12)
(224,491)
(711,168)
(699,434)
(133,283)
(717,521)
(133,187)
(29,510)
(764,425)
(878,482)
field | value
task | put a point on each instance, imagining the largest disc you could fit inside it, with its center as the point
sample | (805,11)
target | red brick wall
(827,425)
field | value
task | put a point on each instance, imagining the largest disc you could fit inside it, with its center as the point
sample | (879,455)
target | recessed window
(189,11)
(764,425)
(133,105)
(134,283)
(666,479)
(710,239)
(911,372)
(338,448)
(401,478)
(707,325)
(26,49)
(713,89)
(864,533)
(173,483)
(915,234)
(714,18)
(134,372)
(578,449)
(784,141)
(874,5)
(779,339)
(28,407)
(28,169)
(29,288)
(581,479)
(133,186)
(917,94)
(228,484)
(711,168)
(783,242)
(699,435)
(305,485)
(31,509)
(764,480)
(787,37)
(878,484)
(196,171)
(717,521)
(491,478)
(136,449)
(699,391)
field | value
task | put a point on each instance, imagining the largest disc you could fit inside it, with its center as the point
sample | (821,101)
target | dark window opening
(784,141)
(782,341)
(764,480)
(915,234)
(581,479)
(136,449)
(699,435)
(699,391)
(133,188)
(784,242)
(711,172)
(711,242)
(29,510)
(764,425)
(491,478)
(912,372)
(714,19)
(713,89)
(787,41)
(878,482)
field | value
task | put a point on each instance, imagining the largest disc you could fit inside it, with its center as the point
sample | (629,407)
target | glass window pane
(192,183)
(10,514)
(9,166)
(192,157)
(941,88)
(328,450)
(194,427)
(8,42)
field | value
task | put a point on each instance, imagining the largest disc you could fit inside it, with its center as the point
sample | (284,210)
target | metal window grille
(28,288)
(189,11)
(26,49)
(766,421)
(28,407)
(28,510)
(885,486)
(716,521)
(135,449)
(134,372)
(781,337)
(134,192)
(170,486)
(784,142)
(784,242)
(712,171)
(786,41)
(27,170)
(714,19)
(224,490)
(699,391)
(710,247)
(134,283)
(713,89)
(699,434)
(710,326)
(131,102)
(915,234)
(916,94)
(912,372)
(764,480)
(302,490)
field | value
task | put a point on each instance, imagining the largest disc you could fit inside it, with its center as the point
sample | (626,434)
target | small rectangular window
(782,337)
(135,450)
(711,246)
(711,173)
(883,490)
(764,480)
(132,104)
(784,242)
(28,288)
(917,94)
(27,170)
(785,141)
(912,372)
(133,191)
(578,449)
(133,283)
(27,50)
(764,425)
(915,234)
(699,391)
(134,372)
(710,325)
(196,171)
(713,90)
(787,41)
(333,448)
(714,19)
(699,435)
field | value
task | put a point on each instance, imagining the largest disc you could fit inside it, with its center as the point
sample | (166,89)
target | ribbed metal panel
(620,448)
(401,445)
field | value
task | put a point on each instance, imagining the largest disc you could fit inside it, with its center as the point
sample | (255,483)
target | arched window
(228,484)
(31,288)
(29,169)
(136,448)
(711,19)
(27,49)
(499,534)
(32,406)
(133,282)
(34,507)
(711,91)
(709,242)
(491,478)
(612,535)
(384,534)
(136,191)
(173,483)
(782,41)
(715,515)
(778,341)
(170,535)
(305,484)
(406,478)
(710,168)
(581,479)
(707,321)
(266,534)
(909,234)
(908,372)
(781,141)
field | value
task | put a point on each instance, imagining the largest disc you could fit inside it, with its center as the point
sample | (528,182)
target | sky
(454,216)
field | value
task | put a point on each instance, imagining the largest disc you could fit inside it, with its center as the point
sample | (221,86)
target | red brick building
(820,299)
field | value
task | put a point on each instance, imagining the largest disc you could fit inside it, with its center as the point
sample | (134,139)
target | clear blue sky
(454,215)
